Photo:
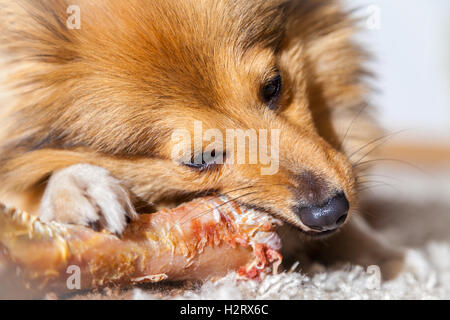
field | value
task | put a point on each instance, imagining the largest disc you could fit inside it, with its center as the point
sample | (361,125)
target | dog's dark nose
(326,217)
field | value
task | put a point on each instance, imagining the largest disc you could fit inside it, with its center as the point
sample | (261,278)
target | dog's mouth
(281,221)
(253,213)
(172,203)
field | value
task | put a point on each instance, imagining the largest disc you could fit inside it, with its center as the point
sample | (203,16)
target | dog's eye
(271,92)
(207,160)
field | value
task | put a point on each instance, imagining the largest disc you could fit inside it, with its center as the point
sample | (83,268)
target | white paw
(87,195)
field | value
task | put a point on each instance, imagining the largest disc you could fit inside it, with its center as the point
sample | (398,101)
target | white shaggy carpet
(427,277)
(416,216)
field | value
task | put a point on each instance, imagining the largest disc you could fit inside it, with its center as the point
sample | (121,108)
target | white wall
(412,45)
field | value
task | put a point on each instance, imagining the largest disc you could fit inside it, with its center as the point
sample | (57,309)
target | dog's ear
(324,32)
(319,45)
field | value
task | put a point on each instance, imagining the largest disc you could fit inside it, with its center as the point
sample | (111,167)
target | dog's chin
(317,234)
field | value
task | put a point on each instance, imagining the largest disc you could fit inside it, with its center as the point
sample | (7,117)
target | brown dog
(87,133)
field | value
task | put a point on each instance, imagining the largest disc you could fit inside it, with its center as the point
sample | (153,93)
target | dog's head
(178,80)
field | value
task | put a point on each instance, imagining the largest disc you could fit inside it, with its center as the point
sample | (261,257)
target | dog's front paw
(87,195)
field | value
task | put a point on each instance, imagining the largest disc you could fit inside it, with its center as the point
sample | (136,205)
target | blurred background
(411,43)
(409,189)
